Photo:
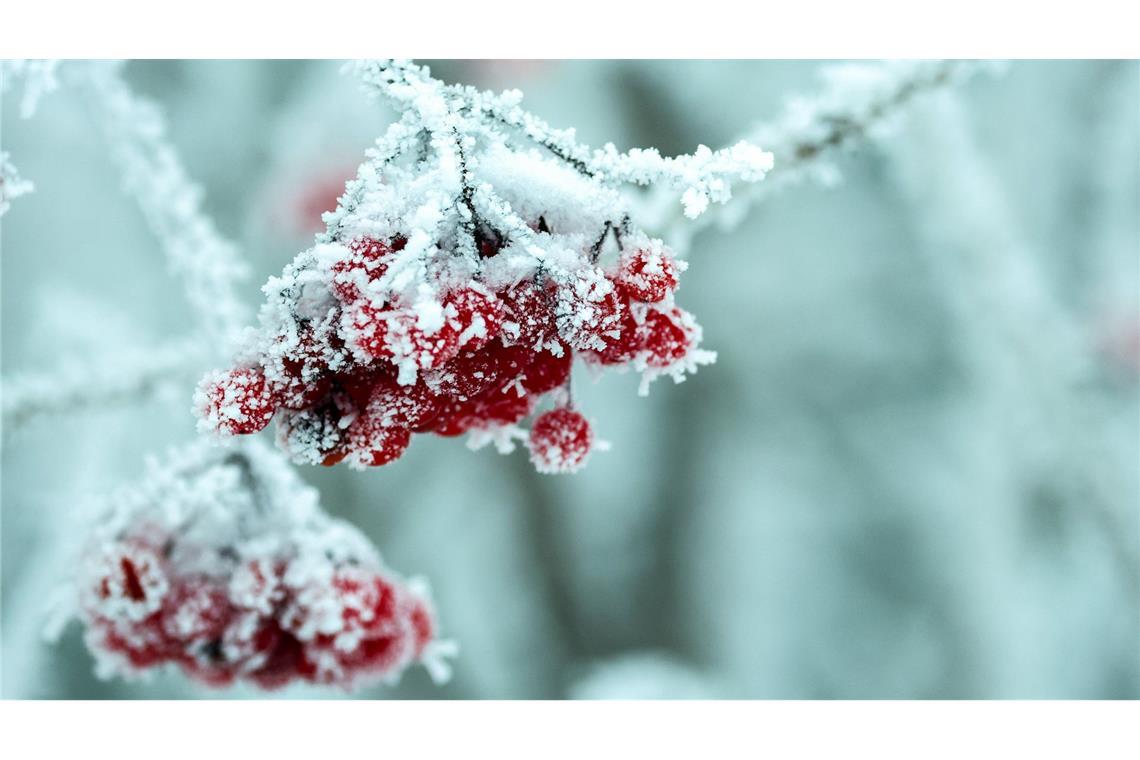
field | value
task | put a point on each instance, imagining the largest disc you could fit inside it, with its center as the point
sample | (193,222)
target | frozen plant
(475,255)
(857,101)
(478,252)
(221,562)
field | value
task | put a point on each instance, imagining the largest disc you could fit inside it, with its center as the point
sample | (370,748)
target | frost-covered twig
(153,173)
(703,177)
(122,378)
(12,185)
(39,79)
(171,203)
(856,101)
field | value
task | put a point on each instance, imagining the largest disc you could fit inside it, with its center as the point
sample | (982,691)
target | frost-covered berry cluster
(459,277)
(222,564)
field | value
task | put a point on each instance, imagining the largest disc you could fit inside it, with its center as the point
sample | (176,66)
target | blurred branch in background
(857,101)
(1030,368)
(209,265)
(39,80)
(911,474)
(121,377)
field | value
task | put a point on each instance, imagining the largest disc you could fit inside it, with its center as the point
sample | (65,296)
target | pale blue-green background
(836,508)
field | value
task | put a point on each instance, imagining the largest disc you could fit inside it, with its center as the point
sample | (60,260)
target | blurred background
(914,471)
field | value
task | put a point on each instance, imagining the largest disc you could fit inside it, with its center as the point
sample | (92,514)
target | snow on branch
(154,175)
(39,78)
(123,378)
(12,186)
(858,101)
(704,177)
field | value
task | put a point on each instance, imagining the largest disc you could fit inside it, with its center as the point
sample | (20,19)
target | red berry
(528,315)
(406,339)
(478,317)
(372,444)
(366,263)
(282,658)
(621,344)
(132,581)
(256,585)
(407,406)
(422,625)
(142,644)
(368,602)
(663,338)
(473,372)
(503,407)
(361,381)
(366,331)
(237,402)
(588,310)
(547,371)
(455,418)
(196,611)
(648,275)
(560,441)
(296,368)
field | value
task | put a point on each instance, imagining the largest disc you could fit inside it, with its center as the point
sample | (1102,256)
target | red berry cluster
(271,620)
(360,365)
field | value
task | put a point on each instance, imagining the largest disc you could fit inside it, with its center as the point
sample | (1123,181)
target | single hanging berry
(560,441)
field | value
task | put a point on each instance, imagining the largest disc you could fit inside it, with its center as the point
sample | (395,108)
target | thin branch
(1031,367)
(121,379)
(704,177)
(154,175)
(38,76)
(856,103)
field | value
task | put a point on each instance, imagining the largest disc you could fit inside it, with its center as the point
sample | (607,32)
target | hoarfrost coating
(909,475)
(476,254)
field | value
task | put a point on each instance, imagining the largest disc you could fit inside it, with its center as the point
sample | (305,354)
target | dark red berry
(528,315)
(547,371)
